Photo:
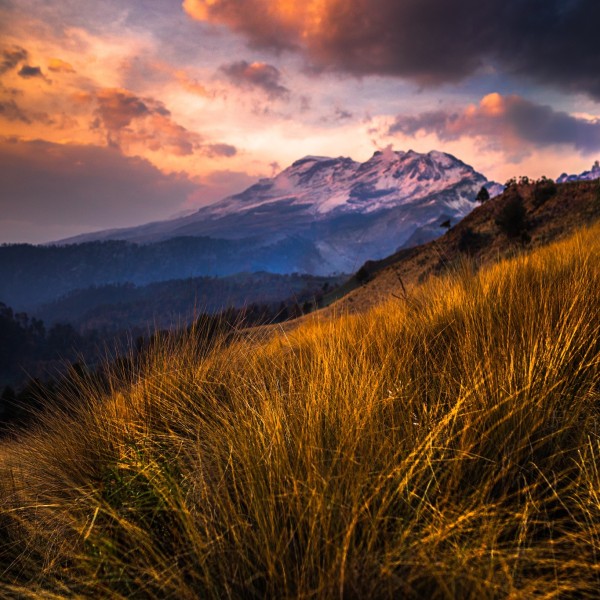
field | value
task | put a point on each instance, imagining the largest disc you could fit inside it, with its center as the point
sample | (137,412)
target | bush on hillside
(543,190)
(362,276)
(512,219)
(470,241)
(483,195)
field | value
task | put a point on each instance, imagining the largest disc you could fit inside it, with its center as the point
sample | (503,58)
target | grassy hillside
(446,445)
(549,212)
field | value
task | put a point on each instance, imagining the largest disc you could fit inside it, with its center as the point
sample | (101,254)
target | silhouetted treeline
(40,366)
(27,347)
(177,302)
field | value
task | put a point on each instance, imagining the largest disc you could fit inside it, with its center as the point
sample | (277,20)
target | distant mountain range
(593,173)
(323,215)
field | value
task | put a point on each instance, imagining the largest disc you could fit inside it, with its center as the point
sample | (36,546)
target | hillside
(445,447)
(549,213)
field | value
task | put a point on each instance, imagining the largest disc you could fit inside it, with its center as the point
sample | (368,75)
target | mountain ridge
(593,173)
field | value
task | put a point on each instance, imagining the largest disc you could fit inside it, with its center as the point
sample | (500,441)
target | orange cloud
(191,85)
(128,119)
(284,23)
(60,66)
(117,108)
(493,105)
(131,121)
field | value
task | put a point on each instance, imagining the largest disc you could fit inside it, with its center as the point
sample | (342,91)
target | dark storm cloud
(428,41)
(11,57)
(73,188)
(508,119)
(28,72)
(256,75)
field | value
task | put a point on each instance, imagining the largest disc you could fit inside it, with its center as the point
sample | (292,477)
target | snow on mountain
(387,180)
(593,173)
(343,210)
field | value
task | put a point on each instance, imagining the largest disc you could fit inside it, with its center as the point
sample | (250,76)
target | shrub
(483,195)
(470,241)
(362,275)
(512,217)
(544,190)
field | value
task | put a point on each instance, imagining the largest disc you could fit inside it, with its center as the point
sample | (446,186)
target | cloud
(215,150)
(427,41)
(506,122)
(68,189)
(128,119)
(192,85)
(11,57)
(28,72)
(60,66)
(256,75)
(11,111)
(118,108)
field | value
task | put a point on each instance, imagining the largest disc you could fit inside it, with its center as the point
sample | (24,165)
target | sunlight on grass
(446,446)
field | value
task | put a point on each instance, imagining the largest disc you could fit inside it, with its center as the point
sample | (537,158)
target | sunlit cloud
(60,66)
(510,123)
(192,85)
(11,111)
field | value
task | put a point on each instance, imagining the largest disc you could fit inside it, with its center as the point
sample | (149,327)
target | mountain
(337,212)
(320,216)
(593,173)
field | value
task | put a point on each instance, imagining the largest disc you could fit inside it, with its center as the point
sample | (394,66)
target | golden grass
(443,447)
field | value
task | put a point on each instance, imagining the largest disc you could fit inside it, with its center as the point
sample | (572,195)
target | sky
(117,113)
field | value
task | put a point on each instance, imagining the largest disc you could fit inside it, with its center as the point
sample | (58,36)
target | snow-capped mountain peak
(323,185)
